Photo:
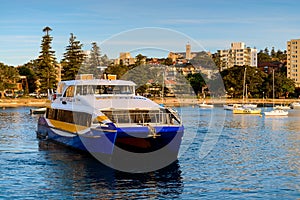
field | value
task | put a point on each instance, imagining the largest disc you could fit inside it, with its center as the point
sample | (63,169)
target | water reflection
(80,174)
(15,129)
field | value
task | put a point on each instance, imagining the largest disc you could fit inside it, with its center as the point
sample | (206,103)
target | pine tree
(46,69)
(73,60)
(92,62)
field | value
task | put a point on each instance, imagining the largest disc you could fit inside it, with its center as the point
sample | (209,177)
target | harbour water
(223,156)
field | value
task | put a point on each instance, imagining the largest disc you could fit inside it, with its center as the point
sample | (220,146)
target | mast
(273,88)
(163,85)
(244,84)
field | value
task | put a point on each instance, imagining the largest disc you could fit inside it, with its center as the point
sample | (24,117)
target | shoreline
(221,101)
(169,101)
(28,102)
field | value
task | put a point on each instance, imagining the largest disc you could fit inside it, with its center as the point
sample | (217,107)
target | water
(223,156)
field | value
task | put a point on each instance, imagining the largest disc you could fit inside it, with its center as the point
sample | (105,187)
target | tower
(188,51)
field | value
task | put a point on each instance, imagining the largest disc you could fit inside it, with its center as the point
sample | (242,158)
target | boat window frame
(69,92)
(67,116)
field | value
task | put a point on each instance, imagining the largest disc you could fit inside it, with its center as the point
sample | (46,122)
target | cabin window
(78,90)
(51,113)
(103,89)
(139,116)
(84,90)
(69,92)
(78,118)
(99,89)
(125,89)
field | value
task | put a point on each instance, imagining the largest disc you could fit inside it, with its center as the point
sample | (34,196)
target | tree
(118,70)
(140,59)
(8,78)
(105,60)
(283,86)
(73,59)
(262,56)
(234,77)
(168,61)
(266,51)
(273,53)
(31,78)
(46,63)
(197,82)
(92,62)
(282,56)
(29,70)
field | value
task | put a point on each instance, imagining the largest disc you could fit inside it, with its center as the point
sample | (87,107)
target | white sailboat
(246,108)
(245,94)
(205,105)
(276,112)
(282,107)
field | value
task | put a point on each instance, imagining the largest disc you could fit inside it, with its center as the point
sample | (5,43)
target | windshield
(104,89)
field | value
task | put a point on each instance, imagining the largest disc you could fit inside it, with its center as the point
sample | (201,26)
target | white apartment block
(238,55)
(293,60)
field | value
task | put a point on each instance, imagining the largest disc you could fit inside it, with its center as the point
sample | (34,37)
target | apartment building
(125,58)
(238,55)
(293,61)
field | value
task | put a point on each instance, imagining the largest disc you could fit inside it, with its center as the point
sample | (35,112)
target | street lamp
(263,99)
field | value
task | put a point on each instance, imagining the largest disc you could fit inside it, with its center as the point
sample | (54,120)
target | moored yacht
(205,105)
(295,105)
(246,111)
(231,106)
(277,112)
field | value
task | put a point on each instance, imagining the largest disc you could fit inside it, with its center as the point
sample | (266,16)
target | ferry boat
(100,116)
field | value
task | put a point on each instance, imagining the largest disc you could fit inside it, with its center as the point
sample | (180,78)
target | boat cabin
(95,87)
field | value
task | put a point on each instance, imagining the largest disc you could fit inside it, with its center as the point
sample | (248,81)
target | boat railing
(139,118)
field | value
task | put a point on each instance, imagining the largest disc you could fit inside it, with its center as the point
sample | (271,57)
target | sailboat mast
(163,85)
(244,84)
(273,89)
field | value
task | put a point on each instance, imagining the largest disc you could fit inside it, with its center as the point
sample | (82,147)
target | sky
(150,27)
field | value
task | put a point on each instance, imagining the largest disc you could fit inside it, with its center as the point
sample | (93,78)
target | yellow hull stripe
(102,118)
(73,128)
